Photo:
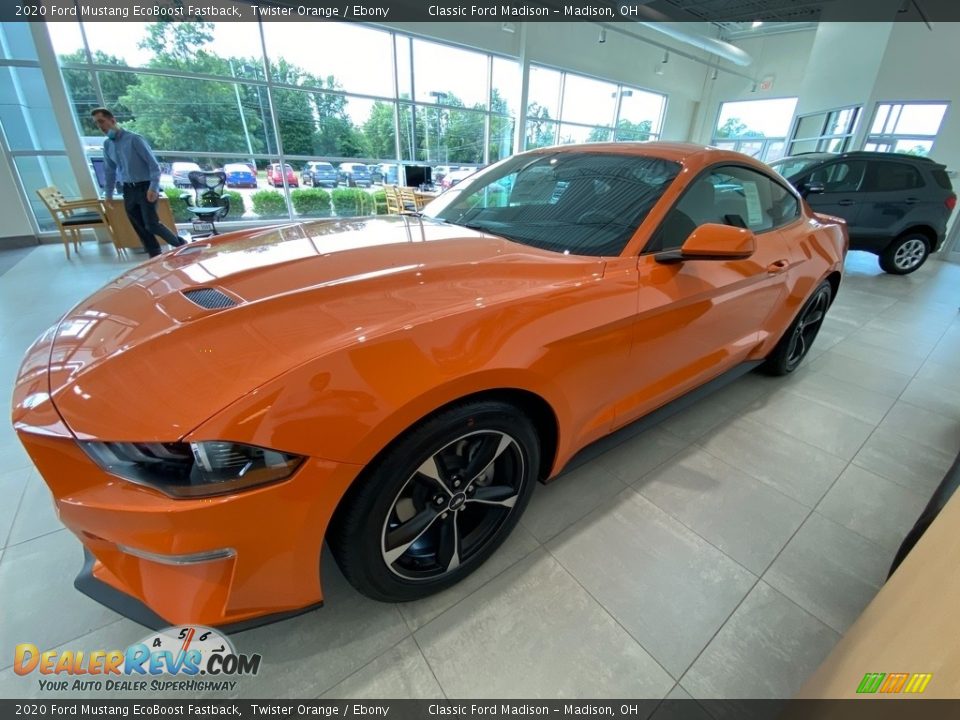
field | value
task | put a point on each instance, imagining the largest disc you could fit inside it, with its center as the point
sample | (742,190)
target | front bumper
(225,561)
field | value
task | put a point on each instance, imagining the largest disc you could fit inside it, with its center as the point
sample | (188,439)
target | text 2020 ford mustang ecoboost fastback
(394,386)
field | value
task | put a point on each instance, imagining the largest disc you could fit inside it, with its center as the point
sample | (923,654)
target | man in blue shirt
(129,153)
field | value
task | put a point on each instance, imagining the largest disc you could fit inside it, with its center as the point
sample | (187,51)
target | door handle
(912,201)
(845,202)
(778,266)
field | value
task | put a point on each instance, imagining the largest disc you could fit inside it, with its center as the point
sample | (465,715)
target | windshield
(791,167)
(578,203)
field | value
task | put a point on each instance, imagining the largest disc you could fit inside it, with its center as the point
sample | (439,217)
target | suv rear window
(943,180)
(884,176)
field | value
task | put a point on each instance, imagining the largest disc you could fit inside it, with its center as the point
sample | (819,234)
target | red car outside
(275,179)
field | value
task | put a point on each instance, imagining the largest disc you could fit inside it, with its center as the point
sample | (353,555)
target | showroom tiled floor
(719,554)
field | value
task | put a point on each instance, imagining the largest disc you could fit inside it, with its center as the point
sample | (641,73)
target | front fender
(349,407)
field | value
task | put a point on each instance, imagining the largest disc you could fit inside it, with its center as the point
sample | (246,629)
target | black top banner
(927,11)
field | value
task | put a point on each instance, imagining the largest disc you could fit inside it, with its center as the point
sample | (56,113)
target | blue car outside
(239,176)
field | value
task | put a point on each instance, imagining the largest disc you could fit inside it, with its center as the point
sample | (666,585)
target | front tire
(798,339)
(438,503)
(905,254)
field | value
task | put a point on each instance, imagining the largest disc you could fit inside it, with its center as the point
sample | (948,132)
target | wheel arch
(834,279)
(540,412)
(928,232)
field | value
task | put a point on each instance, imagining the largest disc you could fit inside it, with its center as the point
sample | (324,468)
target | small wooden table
(424,196)
(124,236)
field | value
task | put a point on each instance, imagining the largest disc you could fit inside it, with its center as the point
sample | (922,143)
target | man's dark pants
(143,216)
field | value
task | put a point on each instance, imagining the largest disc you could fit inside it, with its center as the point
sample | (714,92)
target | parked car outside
(376,175)
(239,175)
(896,206)
(275,179)
(355,175)
(439,172)
(180,173)
(455,176)
(319,174)
(389,173)
(517,326)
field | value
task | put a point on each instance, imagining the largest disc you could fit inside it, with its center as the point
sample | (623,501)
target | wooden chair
(72,216)
(409,202)
(394,205)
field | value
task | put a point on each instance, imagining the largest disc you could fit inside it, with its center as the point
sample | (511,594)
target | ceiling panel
(745,10)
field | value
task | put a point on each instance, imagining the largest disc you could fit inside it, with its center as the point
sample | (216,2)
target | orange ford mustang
(394,386)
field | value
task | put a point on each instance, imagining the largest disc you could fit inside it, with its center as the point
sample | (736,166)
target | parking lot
(166,181)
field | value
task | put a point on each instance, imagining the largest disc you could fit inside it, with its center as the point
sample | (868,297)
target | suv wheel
(905,254)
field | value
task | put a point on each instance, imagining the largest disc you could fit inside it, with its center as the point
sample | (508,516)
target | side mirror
(812,188)
(713,241)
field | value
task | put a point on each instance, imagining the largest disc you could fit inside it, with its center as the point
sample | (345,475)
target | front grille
(209,298)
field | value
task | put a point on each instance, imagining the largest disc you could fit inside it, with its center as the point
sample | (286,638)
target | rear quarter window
(884,176)
(941,178)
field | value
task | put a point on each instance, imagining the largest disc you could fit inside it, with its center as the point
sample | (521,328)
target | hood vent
(209,298)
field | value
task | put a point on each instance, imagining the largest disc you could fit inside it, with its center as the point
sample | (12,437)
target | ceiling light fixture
(756,24)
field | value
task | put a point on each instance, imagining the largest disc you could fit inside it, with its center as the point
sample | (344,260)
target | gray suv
(896,206)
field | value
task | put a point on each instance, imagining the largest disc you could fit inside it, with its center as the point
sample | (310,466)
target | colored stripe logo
(894,683)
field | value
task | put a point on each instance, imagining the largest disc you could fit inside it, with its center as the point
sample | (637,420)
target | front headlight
(196,469)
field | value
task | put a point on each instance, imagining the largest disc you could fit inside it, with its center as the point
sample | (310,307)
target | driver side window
(846,176)
(728,195)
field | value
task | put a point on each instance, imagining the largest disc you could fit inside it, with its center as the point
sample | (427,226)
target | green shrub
(351,202)
(380,202)
(177,205)
(492,196)
(236,205)
(312,202)
(269,203)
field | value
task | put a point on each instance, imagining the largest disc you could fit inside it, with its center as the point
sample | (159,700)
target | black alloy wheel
(797,341)
(450,506)
(438,503)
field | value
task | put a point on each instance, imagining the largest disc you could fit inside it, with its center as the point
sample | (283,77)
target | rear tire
(905,254)
(437,503)
(798,339)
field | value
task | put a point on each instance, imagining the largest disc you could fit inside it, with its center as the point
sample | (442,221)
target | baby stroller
(208,204)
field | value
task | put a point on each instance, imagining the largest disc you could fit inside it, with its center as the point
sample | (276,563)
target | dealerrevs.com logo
(187,658)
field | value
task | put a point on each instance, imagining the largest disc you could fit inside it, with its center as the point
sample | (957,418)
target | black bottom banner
(865,709)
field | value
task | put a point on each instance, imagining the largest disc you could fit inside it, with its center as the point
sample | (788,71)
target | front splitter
(134,609)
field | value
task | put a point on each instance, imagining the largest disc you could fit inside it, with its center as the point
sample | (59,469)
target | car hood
(162,348)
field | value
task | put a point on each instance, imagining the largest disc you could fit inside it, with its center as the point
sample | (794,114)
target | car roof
(808,156)
(687,154)
(864,155)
